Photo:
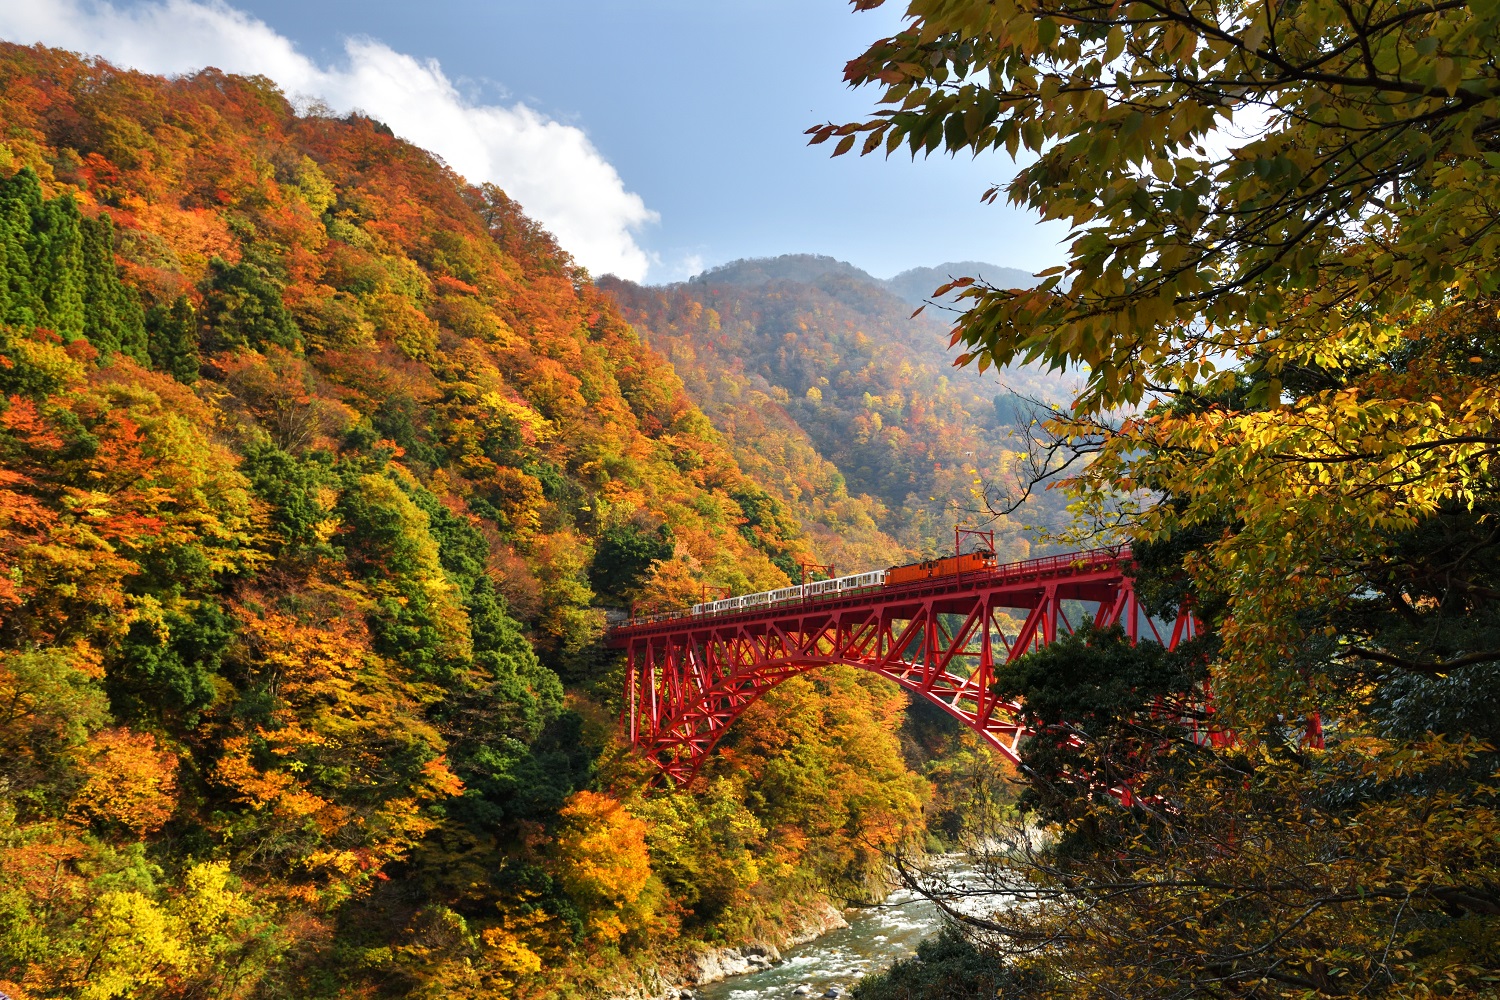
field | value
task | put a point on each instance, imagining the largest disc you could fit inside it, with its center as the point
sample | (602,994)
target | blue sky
(698,107)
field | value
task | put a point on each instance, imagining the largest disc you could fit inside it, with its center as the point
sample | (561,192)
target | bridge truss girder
(688,679)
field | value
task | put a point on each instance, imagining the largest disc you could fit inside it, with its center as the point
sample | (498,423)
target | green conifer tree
(112,317)
(56,252)
(172,339)
(20,195)
(57,270)
(244,309)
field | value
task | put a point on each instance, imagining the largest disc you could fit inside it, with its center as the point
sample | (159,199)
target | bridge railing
(1019,568)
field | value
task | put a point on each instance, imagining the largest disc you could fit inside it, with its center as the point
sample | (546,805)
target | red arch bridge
(691,674)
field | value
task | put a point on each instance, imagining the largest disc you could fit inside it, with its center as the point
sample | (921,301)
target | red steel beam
(689,677)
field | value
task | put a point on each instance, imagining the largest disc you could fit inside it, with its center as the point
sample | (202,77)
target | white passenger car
(792,595)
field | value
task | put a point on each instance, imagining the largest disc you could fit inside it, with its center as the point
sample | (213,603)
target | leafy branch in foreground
(1280,281)
(1254,883)
(1296,319)
(1242,180)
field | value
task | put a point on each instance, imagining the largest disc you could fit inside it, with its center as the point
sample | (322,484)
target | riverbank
(825,949)
(871,940)
(708,966)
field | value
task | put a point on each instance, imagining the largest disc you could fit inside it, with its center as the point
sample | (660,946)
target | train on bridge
(981,561)
(939,628)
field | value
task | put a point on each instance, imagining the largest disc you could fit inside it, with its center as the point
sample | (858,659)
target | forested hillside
(843,404)
(320,470)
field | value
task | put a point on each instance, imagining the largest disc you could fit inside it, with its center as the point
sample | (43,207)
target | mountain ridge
(917,284)
(848,406)
(914,285)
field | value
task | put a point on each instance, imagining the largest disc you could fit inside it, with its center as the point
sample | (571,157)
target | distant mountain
(839,402)
(802,267)
(916,285)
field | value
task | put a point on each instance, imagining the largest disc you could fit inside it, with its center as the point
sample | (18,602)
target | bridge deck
(1075,567)
(690,676)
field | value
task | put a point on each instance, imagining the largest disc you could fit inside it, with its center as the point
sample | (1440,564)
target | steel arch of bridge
(690,676)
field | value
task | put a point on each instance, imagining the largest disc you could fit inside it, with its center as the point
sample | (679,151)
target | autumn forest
(325,473)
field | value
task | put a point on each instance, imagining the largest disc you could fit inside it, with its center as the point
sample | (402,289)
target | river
(874,939)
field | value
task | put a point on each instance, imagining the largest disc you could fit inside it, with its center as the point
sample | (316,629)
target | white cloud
(550,168)
(683,268)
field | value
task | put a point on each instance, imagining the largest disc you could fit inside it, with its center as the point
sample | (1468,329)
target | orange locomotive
(968,562)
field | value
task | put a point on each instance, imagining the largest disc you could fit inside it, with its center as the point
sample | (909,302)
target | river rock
(818,921)
(721,963)
(802,990)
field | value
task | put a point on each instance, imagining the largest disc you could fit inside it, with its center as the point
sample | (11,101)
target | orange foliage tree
(601,859)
